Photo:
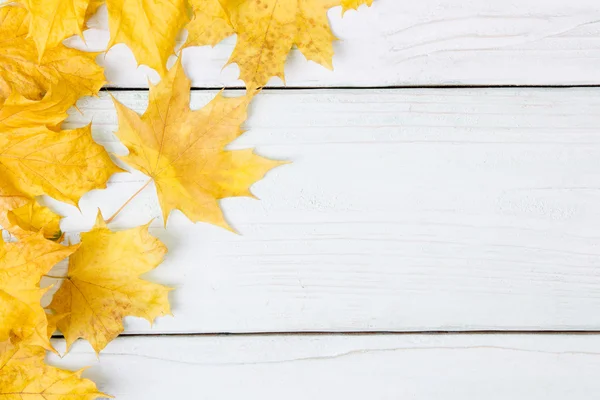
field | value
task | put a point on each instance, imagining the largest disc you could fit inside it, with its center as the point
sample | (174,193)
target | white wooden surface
(416,367)
(403,210)
(426,42)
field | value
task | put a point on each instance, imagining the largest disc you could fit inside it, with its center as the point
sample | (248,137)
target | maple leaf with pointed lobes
(25,375)
(182,150)
(268,29)
(210,24)
(148,27)
(52,21)
(103,285)
(22,265)
(64,165)
(74,70)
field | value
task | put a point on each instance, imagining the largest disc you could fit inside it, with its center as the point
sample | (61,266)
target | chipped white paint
(403,210)
(427,42)
(416,367)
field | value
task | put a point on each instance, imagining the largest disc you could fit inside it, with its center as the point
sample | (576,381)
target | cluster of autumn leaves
(180,150)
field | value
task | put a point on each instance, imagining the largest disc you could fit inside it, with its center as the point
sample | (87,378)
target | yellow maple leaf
(354,4)
(103,285)
(75,70)
(209,25)
(64,165)
(22,265)
(267,30)
(32,218)
(148,27)
(182,151)
(25,375)
(52,21)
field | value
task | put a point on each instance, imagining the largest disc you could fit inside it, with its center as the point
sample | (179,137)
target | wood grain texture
(429,42)
(403,210)
(417,367)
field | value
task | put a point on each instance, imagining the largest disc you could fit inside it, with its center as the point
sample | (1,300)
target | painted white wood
(403,210)
(416,367)
(427,42)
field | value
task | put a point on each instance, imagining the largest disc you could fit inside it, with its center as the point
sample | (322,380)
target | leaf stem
(108,221)
(56,277)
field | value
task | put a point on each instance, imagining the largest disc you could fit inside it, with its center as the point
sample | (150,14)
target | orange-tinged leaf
(64,165)
(26,376)
(32,218)
(354,4)
(22,265)
(21,72)
(267,30)
(103,285)
(182,150)
(210,24)
(52,21)
(148,27)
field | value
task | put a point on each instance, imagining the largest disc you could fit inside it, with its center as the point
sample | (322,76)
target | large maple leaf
(102,285)
(74,70)
(64,165)
(182,150)
(268,29)
(148,27)
(52,21)
(22,265)
(25,375)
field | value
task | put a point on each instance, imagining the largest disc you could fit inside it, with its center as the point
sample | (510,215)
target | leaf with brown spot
(268,29)
(103,285)
(210,24)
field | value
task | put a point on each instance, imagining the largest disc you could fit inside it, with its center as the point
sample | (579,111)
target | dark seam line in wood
(366,333)
(282,88)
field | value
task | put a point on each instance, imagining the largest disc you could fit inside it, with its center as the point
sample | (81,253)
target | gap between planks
(325,88)
(366,333)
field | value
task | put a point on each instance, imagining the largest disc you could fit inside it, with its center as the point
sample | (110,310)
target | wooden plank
(429,42)
(494,367)
(403,210)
